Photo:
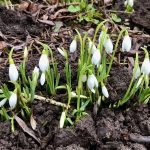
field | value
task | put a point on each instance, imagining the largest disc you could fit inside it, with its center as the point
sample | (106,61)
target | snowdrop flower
(126,44)
(61,52)
(42,79)
(13,100)
(13,72)
(73,94)
(36,73)
(92,82)
(129,3)
(96,58)
(105,91)
(137,73)
(62,119)
(93,47)
(84,78)
(44,61)
(108,46)
(36,70)
(2,102)
(73,46)
(25,53)
(145,69)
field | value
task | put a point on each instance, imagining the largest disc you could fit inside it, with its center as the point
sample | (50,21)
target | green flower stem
(114,51)
(121,102)
(95,34)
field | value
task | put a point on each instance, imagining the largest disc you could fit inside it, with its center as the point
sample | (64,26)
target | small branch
(139,138)
(51,101)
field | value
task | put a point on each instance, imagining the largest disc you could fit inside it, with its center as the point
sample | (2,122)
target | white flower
(36,73)
(92,82)
(36,70)
(73,94)
(13,72)
(73,46)
(105,91)
(25,52)
(145,69)
(42,79)
(93,47)
(130,3)
(62,119)
(126,44)
(2,102)
(108,46)
(84,78)
(61,52)
(96,58)
(13,100)
(137,73)
(43,62)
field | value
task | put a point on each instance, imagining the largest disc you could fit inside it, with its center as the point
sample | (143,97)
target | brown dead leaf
(33,7)
(26,129)
(33,122)
(23,5)
(45,17)
(107,1)
(2,45)
(51,23)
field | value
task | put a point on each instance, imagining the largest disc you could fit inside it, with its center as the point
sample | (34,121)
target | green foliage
(86,12)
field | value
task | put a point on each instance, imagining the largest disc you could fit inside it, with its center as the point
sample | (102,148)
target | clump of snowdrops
(96,56)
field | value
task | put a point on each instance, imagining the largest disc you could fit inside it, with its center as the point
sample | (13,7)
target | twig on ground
(139,138)
(51,101)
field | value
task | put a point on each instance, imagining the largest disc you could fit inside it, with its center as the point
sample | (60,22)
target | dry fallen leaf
(26,129)
(2,45)
(33,122)
(51,23)
(23,5)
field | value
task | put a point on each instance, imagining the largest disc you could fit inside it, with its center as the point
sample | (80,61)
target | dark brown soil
(108,130)
(141,15)
(17,24)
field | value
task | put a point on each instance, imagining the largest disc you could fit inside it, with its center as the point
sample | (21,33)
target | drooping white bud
(13,100)
(73,46)
(61,52)
(62,119)
(96,58)
(92,82)
(25,53)
(145,69)
(126,44)
(108,46)
(137,73)
(130,3)
(44,62)
(42,79)
(36,73)
(84,78)
(105,91)
(36,70)
(73,94)
(2,102)
(13,72)
(91,45)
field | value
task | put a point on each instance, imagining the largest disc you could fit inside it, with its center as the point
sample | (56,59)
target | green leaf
(144,95)
(115,18)
(74,9)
